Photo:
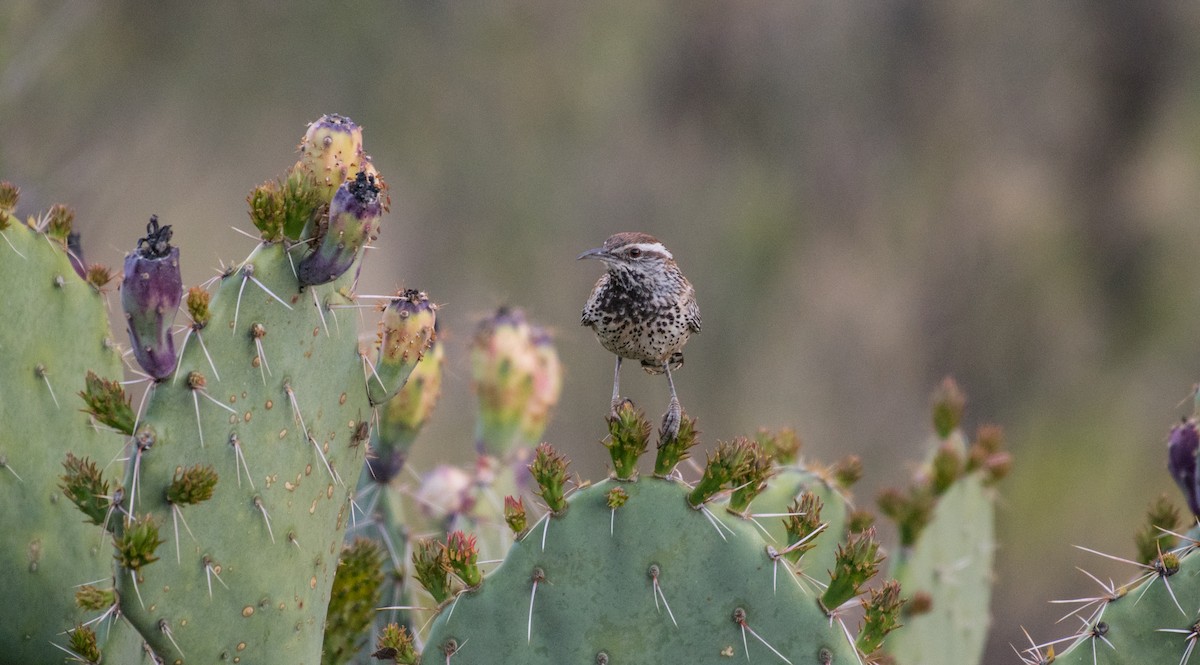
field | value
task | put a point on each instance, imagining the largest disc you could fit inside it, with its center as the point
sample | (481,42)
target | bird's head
(632,253)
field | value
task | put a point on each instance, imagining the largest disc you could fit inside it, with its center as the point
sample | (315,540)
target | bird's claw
(671,421)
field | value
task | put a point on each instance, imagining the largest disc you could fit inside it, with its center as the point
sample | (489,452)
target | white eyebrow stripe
(655,247)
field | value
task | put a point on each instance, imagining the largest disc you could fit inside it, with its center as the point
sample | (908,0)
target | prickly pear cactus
(639,570)
(241,467)
(47,547)
(947,542)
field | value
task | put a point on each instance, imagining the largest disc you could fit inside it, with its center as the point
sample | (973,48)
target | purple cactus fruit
(1182,445)
(353,212)
(150,296)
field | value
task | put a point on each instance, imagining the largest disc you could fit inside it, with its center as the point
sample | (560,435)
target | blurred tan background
(867,196)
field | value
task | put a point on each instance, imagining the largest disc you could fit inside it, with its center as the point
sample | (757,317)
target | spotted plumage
(642,308)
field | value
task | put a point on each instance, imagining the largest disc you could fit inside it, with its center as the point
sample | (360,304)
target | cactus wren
(643,309)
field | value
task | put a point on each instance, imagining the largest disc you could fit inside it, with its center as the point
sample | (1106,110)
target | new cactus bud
(783,446)
(946,468)
(99,276)
(948,404)
(137,543)
(331,150)
(9,195)
(880,616)
(266,211)
(847,471)
(674,450)
(549,470)
(150,296)
(107,403)
(1182,445)
(83,644)
(617,497)
(352,223)
(628,437)
(431,567)
(859,520)
(406,332)
(86,487)
(802,524)
(75,254)
(403,416)
(395,645)
(58,223)
(463,554)
(1154,537)
(94,599)
(514,514)
(857,562)
(198,300)
(911,512)
(191,486)
(751,479)
(723,466)
(352,601)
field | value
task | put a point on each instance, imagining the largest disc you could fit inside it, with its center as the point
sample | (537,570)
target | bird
(642,308)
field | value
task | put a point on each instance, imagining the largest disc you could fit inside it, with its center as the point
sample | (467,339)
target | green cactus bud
(857,562)
(1153,538)
(673,451)
(463,555)
(395,645)
(859,520)
(107,403)
(801,525)
(783,446)
(99,276)
(946,468)
(617,497)
(9,195)
(847,471)
(431,567)
(86,487)
(83,644)
(266,211)
(331,150)
(352,601)
(94,599)
(137,543)
(881,611)
(406,332)
(722,467)
(403,416)
(150,296)
(58,223)
(549,470)
(198,300)
(514,514)
(948,404)
(192,486)
(303,201)
(751,478)
(629,435)
(911,512)
(353,222)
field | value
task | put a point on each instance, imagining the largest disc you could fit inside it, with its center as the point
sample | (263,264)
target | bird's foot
(671,421)
(615,411)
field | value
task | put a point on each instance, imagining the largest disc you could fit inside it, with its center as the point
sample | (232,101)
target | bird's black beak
(593,254)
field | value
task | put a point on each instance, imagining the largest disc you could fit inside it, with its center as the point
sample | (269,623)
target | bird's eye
(634,253)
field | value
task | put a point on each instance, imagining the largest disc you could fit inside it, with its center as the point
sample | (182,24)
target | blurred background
(867,196)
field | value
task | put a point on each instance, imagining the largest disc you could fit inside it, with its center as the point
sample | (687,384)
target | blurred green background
(866,195)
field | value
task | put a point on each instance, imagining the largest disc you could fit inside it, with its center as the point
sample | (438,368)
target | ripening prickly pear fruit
(517,378)
(331,150)
(402,417)
(406,332)
(1182,445)
(150,296)
(353,214)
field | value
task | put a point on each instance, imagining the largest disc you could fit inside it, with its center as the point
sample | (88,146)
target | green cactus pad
(788,483)
(246,574)
(47,546)
(950,563)
(666,586)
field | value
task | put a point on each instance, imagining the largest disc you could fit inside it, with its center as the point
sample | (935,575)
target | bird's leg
(616,397)
(674,414)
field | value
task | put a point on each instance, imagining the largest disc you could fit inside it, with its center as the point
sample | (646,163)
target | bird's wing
(691,312)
